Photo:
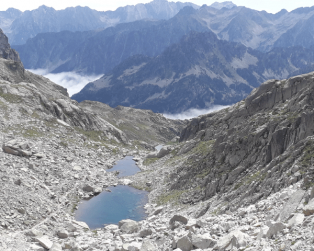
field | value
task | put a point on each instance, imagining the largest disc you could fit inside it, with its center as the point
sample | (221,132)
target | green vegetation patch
(171,197)
(203,148)
(11,98)
(149,161)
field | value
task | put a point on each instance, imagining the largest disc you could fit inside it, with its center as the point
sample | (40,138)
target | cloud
(192,113)
(74,82)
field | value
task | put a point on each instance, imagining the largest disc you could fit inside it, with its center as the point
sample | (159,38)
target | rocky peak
(227,4)
(5,49)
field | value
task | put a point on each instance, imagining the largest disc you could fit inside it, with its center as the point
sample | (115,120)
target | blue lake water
(126,167)
(123,202)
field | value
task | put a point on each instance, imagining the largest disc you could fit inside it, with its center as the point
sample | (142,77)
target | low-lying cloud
(192,113)
(73,81)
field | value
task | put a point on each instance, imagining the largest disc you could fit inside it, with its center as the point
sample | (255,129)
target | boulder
(133,246)
(290,206)
(235,239)
(145,232)
(296,220)
(184,243)
(202,241)
(34,233)
(62,234)
(163,151)
(88,189)
(56,247)
(111,227)
(274,228)
(309,208)
(44,242)
(178,218)
(148,246)
(18,147)
(158,210)
(128,226)
(80,224)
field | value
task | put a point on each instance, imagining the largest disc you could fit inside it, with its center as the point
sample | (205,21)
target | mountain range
(20,26)
(99,51)
(197,72)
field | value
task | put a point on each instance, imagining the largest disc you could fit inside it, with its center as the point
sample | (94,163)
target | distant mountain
(7,17)
(98,52)
(45,19)
(199,71)
(227,4)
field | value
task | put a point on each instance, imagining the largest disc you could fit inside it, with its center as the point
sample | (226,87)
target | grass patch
(32,133)
(11,98)
(149,161)
(171,197)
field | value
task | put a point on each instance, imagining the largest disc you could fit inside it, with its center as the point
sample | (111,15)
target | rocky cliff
(5,49)
(248,151)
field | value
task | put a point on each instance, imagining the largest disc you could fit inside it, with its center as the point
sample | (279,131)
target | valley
(105,170)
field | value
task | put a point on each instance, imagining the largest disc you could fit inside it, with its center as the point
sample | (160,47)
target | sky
(272,6)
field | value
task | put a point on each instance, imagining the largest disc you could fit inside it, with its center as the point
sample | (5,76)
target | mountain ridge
(46,19)
(197,72)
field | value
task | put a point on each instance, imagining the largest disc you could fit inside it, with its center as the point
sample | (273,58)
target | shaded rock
(145,232)
(158,210)
(309,208)
(17,147)
(274,228)
(62,234)
(184,243)
(88,188)
(178,218)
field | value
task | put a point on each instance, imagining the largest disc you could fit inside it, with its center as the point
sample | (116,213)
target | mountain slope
(46,19)
(195,73)
(237,156)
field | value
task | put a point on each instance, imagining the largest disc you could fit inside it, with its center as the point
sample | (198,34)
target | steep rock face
(250,150)
(5,49)
(30,23)
(195,73)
